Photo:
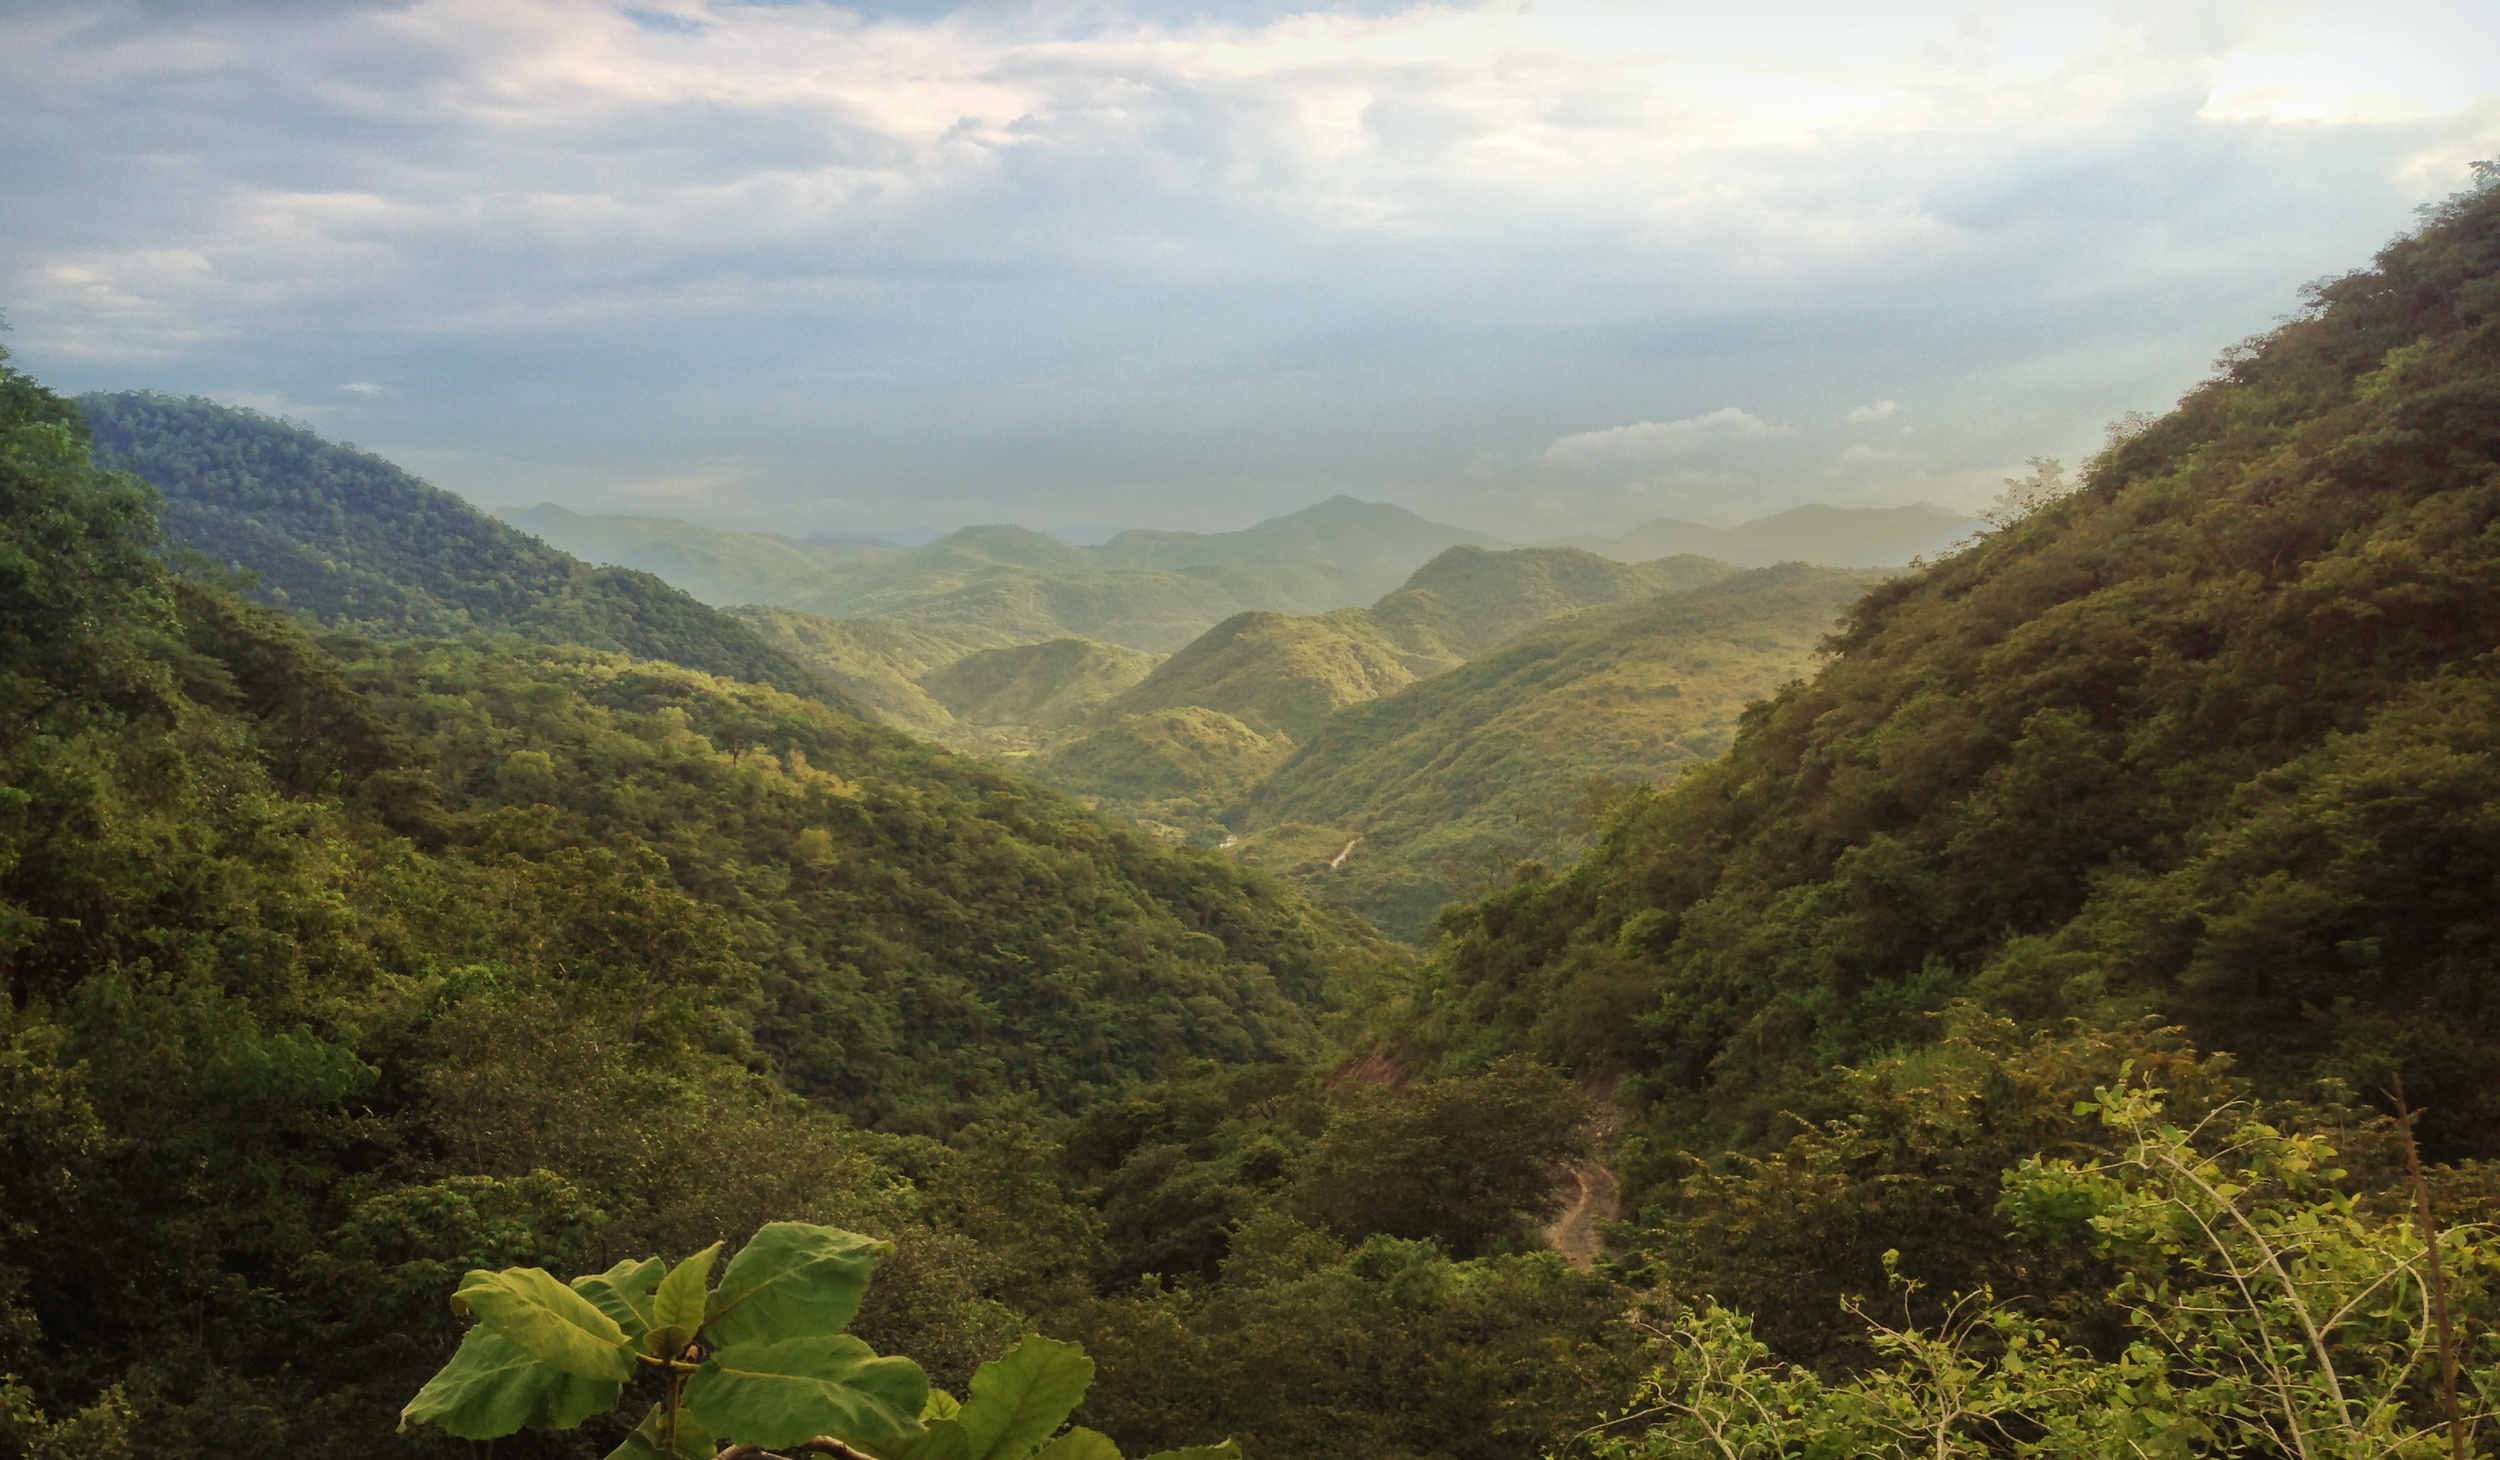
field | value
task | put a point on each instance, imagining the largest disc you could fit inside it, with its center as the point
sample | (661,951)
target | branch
(821,1445)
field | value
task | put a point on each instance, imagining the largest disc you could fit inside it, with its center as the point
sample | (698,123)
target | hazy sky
(1534,267)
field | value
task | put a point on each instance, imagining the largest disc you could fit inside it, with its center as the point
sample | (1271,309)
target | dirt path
(1574,1233)
(1342,853)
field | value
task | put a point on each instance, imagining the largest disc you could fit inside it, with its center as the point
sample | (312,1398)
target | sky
(1538,267)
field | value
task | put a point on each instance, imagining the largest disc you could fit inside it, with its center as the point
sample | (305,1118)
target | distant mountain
(1446,783)
(1264,722)
(1841,537)
(358,544)
(1283,675)
(1374,545)
(720,568)
(1467,600)
(1152,591)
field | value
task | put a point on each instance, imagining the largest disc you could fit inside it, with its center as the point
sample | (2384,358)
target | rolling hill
(1151,591)
(1398,805)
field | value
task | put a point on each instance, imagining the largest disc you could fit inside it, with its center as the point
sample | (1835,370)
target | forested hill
(361,545)
(2217,736)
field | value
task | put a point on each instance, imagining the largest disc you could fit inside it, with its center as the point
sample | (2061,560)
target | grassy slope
(2214,737)
(1463,773)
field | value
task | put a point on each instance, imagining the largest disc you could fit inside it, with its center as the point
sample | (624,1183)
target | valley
(2057,957)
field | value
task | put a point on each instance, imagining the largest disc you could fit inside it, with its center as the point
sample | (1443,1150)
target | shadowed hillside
(359,544)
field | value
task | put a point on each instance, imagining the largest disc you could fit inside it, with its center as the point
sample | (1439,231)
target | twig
(2439,1274)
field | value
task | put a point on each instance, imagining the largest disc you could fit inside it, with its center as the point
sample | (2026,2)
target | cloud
(362,387)
(1875,412)
(1656,440)
(1137,262)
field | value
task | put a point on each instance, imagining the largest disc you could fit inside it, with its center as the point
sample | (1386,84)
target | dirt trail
(1575,1233)
(1342,853)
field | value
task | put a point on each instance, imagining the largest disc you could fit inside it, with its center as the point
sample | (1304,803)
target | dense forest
(2006,1047)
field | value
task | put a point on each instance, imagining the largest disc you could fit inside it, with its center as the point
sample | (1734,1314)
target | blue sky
(1539,267)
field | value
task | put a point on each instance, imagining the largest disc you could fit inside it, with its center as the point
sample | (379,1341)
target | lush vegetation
(358,544)
(341,968)
(2210,736)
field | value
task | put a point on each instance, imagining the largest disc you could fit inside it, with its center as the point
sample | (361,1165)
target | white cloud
(1655,440)
(362,387)
(1875,412)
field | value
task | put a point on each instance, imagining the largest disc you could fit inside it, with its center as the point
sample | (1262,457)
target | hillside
(1398,805)
(878,662)
(1036,688)
(2212,738)
(358,544)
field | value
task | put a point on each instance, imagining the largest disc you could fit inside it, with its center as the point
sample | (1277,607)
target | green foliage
(760,1360)
(1459,1162)
(329,981)
(2202,738)
(2265,1312)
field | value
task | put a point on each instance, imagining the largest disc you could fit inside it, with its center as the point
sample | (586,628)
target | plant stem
(2439,1275)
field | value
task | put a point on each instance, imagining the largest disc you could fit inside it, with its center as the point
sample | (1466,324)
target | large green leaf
(1081,1444)
(789,1392)
(677,1309)
(549,1321)
(644,1442)
(622,1292)
(944,1439)
(792,1281)
(1226,1451)
(492,1388)
(1018,1399)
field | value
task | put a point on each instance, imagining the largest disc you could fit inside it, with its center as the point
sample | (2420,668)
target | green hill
(1041,688)
(358,544)
(2212,738)
(1398,805)
(1468,599)
(1274,672)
